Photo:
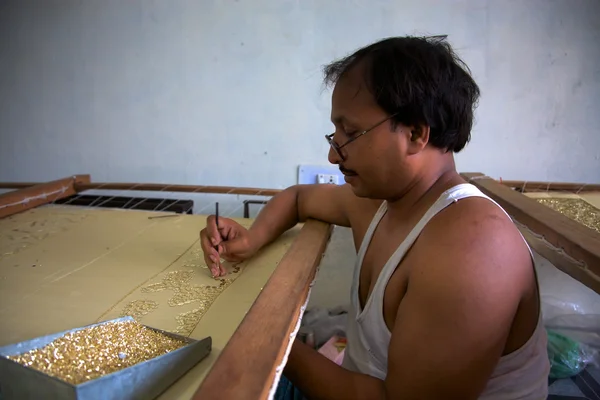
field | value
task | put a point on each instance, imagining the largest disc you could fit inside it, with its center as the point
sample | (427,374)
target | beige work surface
(64,267)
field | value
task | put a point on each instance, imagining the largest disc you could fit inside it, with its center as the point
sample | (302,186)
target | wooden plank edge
(246,367)
(156,187)
(40,194)
(160,187)
(18,185)
(563,262)
(578,241)
(526,186)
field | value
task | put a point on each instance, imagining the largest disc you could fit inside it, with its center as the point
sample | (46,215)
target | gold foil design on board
(184,291)
(197,254)
(203,293)
(187,321)
(138,308)
(183,283)
(173,281)
(25,230)
(578,210)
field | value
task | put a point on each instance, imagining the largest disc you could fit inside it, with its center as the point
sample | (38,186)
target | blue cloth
(287,391)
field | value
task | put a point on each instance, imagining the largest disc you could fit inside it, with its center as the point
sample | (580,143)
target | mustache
(347,171)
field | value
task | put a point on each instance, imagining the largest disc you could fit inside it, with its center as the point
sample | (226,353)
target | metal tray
(142,381)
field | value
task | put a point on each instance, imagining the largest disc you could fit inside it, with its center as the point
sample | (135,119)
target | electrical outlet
(327,178)
(311,174)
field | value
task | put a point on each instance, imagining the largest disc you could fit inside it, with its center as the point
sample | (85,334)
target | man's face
(374,164)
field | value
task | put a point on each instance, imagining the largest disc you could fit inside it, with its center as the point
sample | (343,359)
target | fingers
(224,241)
(221,270)
(226,230)
(217,269)
(205,244)
(211,256)
(213,231)
(215,265)
(215,236)
(233,249)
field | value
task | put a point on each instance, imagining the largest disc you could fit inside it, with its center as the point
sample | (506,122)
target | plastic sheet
(319,325)
(573,337)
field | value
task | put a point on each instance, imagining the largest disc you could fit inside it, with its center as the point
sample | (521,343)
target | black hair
(422,81)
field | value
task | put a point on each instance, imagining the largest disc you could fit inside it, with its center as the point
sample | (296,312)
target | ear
(419,137)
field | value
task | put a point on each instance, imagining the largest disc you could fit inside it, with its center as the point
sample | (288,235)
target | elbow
(295,193)
(288,202)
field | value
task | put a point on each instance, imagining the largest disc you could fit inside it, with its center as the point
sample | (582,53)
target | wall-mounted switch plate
(310,174)
(327,178)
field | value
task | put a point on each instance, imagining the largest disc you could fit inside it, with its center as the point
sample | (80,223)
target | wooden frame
(570,246)
(246,367)
(38,194)
(82,182)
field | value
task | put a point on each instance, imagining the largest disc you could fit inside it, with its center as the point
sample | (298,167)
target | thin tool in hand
(217,214)
(217,222)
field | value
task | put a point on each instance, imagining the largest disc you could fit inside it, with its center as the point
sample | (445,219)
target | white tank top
(522,374)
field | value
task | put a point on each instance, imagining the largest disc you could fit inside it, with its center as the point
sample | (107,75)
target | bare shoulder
(474,239)
(467,274)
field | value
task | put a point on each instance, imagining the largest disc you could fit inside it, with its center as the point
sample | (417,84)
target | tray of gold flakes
(116,359)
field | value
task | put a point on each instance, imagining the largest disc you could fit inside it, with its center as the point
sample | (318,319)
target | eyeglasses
(337,148)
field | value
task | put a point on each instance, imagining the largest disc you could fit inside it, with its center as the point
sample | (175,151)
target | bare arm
(328,203)
(453,322)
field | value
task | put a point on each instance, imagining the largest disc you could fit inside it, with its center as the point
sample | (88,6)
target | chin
(359,190)
(363,191)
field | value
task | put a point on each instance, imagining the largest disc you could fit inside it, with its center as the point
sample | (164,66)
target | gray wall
(198,91)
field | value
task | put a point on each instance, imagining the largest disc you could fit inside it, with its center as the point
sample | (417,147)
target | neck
(425,188)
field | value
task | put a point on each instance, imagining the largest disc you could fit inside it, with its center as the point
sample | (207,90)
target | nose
(333,156)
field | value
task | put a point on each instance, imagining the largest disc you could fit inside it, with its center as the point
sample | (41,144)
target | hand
(231,241)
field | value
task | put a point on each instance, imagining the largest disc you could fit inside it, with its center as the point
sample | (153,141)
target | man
(445,301)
